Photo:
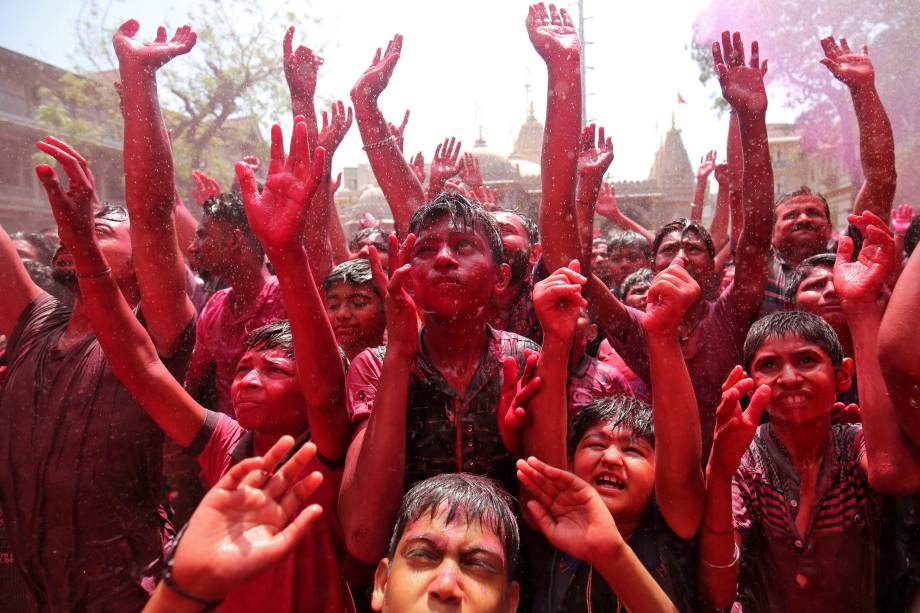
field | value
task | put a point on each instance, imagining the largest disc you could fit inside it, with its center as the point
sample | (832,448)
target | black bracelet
(171,583)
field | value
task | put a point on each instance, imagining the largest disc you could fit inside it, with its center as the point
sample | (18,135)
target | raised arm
(889,461)
(876,140)
(608,207)
(679,487)
(735,161)
(593,162)
(742,87)
(17,290)
(707,165)
(397,180)
(375,466)
(127,345)
(554,37)
(338,242)
(301,67)
(150,184)
(445,165)
(277,216)
(719,227)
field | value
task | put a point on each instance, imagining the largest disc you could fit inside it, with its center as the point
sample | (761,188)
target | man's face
(26,250)
(624,261)
(445,567)
(266,394)
(114,238)
(816,294)
(516,244)
(801,226)
(689,246)
(207,253)
(637,296)
(620,466)
(453,272)
(600,262)
(356,314)
(802,378)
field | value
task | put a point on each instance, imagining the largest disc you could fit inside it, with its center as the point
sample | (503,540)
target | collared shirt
(521,317)
(446,432)
(220,338)
(774,296)
(592,379)
(834,566)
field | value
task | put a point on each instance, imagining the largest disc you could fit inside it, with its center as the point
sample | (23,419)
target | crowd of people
(479,411)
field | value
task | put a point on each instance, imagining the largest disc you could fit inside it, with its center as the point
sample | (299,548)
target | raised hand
(513,416)
(742,86)
(722,174)
(251,519)
(672,292)
(594,159)
(458,187)
(399,131)
(84,165)
(553,34)
(859,282)
(375,79)
(300,67)
(607,202)
(205,187)
(901,217)
(73,209)
(707,165)
(401,312)
(854,70)
(444,165)
(254,162)
(488,197)
(278,214)
(470,172)
(735,428)
(369,221)
(558,302)
(568,511)
(335,185)
(332,132)
(418,166)
(150,56)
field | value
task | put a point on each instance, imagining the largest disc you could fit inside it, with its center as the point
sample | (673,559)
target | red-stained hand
(332,132)
(607,203)
(277,216)
(553,34)
(445,165)
(369,221)
(593,161)
(707,165)
(558,302)
(150,56)
(488,197)
(399,131)
(470,172)
(401,313)
(375,79)
(205,187)
(513,415)
(418,167)
(859,282)
(723,174)
(73,209)
(84,165)
(335,185)
(901,217)
(852,69)
(300,67)
(458,187)
(735,428)
(254,162)
(672,292)
(846,413)
(742,86)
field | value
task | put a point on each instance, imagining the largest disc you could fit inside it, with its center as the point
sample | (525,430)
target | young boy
(354,307)
(627,252)
(792,511)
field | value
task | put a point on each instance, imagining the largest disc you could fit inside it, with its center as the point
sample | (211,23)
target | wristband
(171,583)
(380,143)
(724,566)
(94,275)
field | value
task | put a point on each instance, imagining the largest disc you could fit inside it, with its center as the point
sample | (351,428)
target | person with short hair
(354,307)
(513,307)
(627,252)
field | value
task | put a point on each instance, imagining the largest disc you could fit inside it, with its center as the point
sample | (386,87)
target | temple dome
(494,165)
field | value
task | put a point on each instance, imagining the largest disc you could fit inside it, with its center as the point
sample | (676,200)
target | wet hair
(43,276)
(227,208)
(629,240)
(639,277)
(467,498)
(806,326)
(276,335)
(805,191)
(620,411)
(820,260)
(912,236)
(44,246)
(530,226)
(355,243)
(683,225)
(352,272)
(462,213)
(112,212)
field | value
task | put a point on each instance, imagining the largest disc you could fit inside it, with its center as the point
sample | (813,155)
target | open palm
(552,33)
(151,54)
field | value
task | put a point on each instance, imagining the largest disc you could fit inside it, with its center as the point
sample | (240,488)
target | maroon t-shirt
(80,470)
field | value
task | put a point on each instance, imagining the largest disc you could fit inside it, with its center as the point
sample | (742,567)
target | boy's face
(445,567)
(624,261)
(453,271)
(637,296)
(356,314)
(802,378)
(208,249)
(266,393)
(620,466)
(816,294)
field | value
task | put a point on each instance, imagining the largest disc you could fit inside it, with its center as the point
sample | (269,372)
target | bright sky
(465,65)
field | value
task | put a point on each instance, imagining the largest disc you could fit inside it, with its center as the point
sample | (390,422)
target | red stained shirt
(220,338)
(592,379)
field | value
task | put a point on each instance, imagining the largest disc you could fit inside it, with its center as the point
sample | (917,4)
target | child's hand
(735,428)
(672,292)
(402,315)
(859,282)
(513,417)
(558,302)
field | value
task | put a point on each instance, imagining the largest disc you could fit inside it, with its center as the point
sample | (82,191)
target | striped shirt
(834,567)
(774,295)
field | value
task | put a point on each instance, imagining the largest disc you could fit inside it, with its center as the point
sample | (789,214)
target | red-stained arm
(445,165)
(735,160)
(17,290)
(742,87)
(607,207)
(554,37)
(338,242)
(719,227)
(150,184)
(707,165)
(300,70)
(397,180)
(876,140)
(186,225)
(127,345)
(593,162)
